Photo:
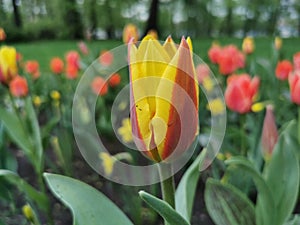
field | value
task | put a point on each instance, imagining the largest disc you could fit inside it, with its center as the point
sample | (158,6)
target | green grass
(43,51)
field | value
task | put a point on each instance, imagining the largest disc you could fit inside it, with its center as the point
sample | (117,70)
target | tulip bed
(254,178)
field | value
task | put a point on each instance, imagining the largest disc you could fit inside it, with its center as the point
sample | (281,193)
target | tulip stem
(243,134)
(167,185)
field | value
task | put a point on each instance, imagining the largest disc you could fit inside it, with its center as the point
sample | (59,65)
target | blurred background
(105,19)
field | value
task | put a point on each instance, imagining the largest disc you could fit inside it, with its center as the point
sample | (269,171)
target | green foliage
(164,209)
(88,205)
(227,205)
(186,190)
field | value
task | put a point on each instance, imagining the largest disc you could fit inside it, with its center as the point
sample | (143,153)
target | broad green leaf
(38,148)
(163,209)
(295,220)
(265,207)
(185,192)
(88,206)
(17,131)
(282,173)
(227,205)
(23,186)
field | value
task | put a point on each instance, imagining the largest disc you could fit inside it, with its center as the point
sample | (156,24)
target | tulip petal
(172,106)
(170,47)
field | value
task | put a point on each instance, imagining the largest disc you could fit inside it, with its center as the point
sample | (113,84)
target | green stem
(243,134)
(167,185)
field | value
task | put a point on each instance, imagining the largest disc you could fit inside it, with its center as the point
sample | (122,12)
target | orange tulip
(114,80)
(18,87)
(32,67)
(214,53)
(99,86)
(130,31)
(71,72)
(72,59)
(240,92)
(106,58)
(283,69)
(163,97)
(2,34)
(56,65)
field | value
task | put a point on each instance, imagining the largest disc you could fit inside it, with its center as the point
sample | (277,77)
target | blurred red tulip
(240,92)
(72,58)
(106,58)
(202,71)
(269,133)
(32,67)
(71,72)
(296,59)
(2,34)
(283,69)
(99,86)
(114,80)
(230,60)
(83,48)
(56,65)
(18,87)
(214,53)
(294,82)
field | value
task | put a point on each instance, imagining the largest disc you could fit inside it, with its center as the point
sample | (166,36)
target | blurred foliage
(103,19)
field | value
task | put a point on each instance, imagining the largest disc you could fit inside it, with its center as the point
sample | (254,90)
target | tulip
(114,80)
(214,53)
(163,97)
(18,87)
(269,133)
(278,43)
(72,58)
(83,48)
(2,34)
(248,45)
(99,86)
(56,65)
(294,82)
(71,72)
(296,60)
(106,58)
(8,64)
(230,60)
(283,69)
(240,92)
(32,67)
(130,31)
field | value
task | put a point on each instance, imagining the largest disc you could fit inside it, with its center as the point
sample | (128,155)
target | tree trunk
(153,17)
(17,17)
(72,19)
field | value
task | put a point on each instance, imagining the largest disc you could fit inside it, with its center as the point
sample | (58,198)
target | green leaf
(88,205)
(282,173)
(295,220)
(16,131)
(36,134)
(164,209)
(227,205)
(265,207)
(23,186)
(185,192)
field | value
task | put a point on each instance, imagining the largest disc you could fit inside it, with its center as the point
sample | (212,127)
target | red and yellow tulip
(8,64)
(163,97)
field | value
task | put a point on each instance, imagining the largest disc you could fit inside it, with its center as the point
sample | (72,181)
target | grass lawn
(43,51)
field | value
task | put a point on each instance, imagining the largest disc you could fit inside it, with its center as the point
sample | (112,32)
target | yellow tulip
(163,97)
(248,45)
(278,43)
(8,64)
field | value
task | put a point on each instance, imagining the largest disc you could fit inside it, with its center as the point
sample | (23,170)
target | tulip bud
(130,31)
(294,82)
(283,69)
(8,64)
(248,45)
(56,65)
(18,87)
(269,133)
(163,97)
(2,34)
(278,43)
